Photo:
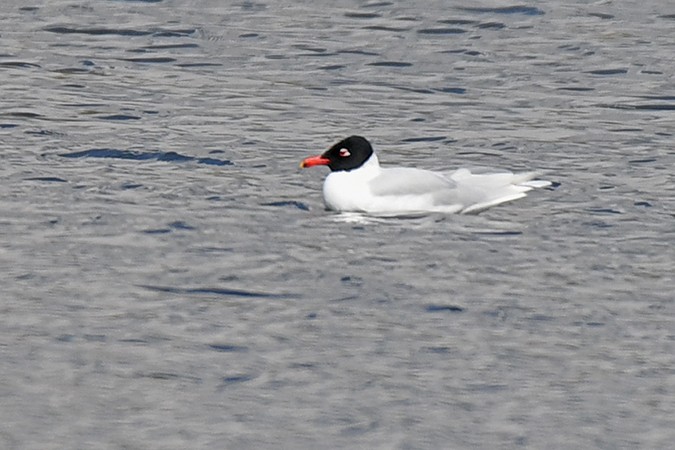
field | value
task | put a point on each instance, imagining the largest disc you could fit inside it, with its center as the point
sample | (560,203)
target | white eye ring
(344,153)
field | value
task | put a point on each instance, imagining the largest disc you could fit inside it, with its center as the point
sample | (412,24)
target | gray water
(170,278)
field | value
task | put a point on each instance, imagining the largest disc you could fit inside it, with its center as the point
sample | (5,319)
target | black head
(348,154)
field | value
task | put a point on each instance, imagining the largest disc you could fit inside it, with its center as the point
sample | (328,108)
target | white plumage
(357,183)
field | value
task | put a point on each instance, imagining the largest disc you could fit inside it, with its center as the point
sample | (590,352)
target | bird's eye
(344,153)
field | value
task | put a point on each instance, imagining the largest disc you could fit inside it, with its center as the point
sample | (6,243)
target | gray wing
(409,181)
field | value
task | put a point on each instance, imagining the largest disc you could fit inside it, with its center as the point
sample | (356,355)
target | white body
(391,191)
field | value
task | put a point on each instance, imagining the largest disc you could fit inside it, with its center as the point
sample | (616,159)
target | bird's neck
(370,169)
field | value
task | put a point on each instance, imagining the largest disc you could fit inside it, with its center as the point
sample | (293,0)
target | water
(170,278)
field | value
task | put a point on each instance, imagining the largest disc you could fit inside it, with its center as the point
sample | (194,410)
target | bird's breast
(342,191)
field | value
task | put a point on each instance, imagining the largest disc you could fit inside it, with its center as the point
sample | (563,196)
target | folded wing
(407,181)
(464,190)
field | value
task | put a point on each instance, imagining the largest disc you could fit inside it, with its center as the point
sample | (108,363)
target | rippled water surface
(170,278)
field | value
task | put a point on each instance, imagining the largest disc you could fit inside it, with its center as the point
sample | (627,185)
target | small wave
(437,31)
(360,15)
(19,64)
(144,156)
(385,28)
(228,348)
(47,179)
(292,203)
(225,292)
(151,59)
(618,71)
(424,139)
(391,64)
(516,9)
(160,32)
(491,26)
(457,21)
(120,117)
(443,308)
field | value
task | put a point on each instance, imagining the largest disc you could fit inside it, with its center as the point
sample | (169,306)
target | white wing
(466,191)
(483,190)
(407,181)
